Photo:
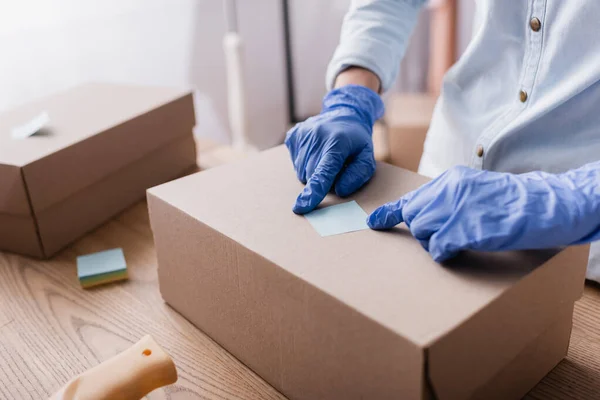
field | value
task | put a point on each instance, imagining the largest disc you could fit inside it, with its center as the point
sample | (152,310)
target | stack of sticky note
(103,267)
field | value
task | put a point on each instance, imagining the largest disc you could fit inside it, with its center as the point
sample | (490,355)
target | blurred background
(51,45)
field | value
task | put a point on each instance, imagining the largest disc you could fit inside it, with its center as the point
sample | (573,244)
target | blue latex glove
(489,211)
(335,148)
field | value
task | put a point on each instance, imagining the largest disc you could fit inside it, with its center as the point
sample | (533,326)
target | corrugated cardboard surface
(525,310)
(89,208)
(67,177)
(94,130)
(18,234)
(18,231)
(540,356)
(78,114)
(13,194)
(297,337)
(264,284)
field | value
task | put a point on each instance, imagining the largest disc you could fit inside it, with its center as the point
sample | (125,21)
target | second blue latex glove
(468,209)
(334,149)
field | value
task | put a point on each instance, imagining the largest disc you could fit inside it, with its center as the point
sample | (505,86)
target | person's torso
(482,119)
(525,95)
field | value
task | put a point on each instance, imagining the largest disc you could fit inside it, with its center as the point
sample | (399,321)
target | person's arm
(334,150)
(468,209)
(374,37)
(358,76)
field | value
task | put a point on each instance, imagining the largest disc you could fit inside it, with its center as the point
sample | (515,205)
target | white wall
(49,45)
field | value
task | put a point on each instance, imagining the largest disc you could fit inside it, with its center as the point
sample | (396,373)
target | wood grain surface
(51,329)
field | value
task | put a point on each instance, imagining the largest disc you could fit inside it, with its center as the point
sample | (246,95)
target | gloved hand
(335,148)
(488,211)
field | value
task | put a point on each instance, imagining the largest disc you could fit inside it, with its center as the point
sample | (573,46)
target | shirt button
(535,24)
(479,151)
(523,96)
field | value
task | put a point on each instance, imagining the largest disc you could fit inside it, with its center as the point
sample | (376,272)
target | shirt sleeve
(374,36)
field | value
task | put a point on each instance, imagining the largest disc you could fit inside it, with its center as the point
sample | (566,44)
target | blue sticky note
(338,219)
(104,262)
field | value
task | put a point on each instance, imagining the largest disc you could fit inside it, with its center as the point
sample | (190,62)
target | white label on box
(31,127)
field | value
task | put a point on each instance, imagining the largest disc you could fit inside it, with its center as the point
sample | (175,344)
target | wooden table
(52,330)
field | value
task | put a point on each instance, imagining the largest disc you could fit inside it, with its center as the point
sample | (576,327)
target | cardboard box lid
(85,139)
(446,311)
(381,274)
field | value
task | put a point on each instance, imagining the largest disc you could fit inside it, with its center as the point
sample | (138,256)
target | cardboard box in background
(361,315)
(407,119)
(381,146)
(104,146)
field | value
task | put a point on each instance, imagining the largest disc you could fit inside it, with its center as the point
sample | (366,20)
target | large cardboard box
(407,119)
(103,147)
(363,315)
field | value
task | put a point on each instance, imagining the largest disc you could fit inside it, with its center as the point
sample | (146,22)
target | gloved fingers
(388,215)
(310,166)
(428,211)
(424,243)
(357,173)
(300,171)
(426,223)
(448,241)
(291,142)
(290,138)
(441,252)
(319,183)
(432,197)
(403,210)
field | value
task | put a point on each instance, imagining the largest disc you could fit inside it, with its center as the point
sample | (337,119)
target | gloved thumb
(388,215)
